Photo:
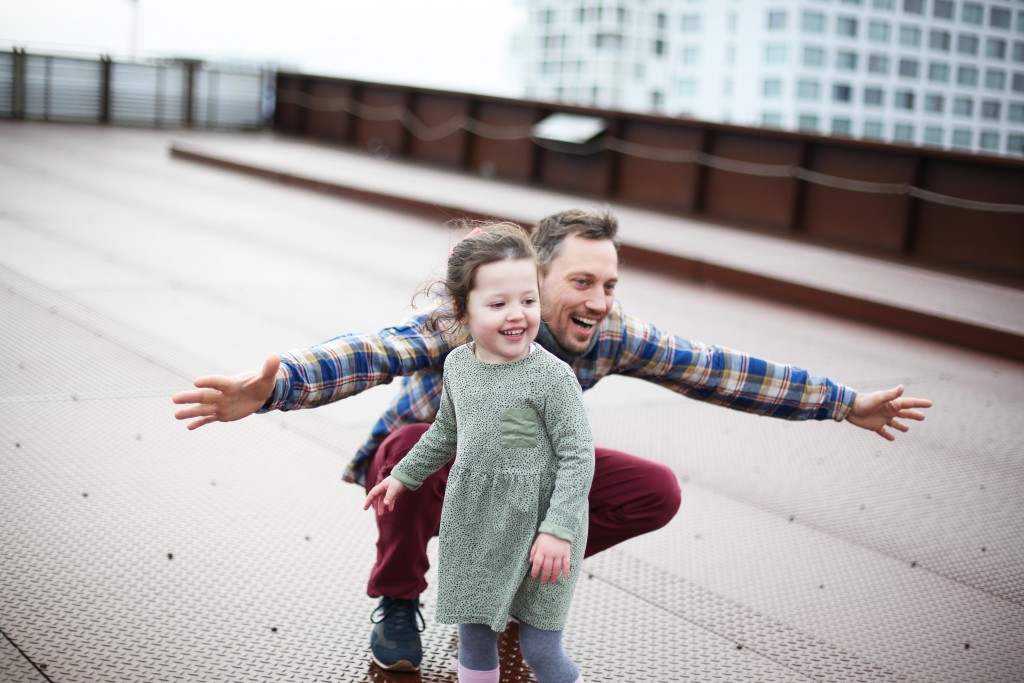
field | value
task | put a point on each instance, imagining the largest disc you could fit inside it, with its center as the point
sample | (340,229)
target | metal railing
(153,93)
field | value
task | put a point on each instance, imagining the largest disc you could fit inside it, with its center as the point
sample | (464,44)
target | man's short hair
(552,230)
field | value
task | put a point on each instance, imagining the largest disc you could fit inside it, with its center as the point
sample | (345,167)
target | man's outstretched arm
(880,411)
(225,398)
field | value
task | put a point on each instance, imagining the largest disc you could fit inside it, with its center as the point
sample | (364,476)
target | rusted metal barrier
(924,206)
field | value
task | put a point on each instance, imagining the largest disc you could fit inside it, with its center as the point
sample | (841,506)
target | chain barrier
(677,156)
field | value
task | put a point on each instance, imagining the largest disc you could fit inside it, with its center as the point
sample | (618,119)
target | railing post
(106,65)
(190,89)
(18,100)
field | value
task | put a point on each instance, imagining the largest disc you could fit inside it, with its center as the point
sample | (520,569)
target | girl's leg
(543,651)
(478,654)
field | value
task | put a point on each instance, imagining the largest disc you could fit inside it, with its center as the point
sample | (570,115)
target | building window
(691,54)
(808,90)
(657,99)
(938,72)
(967,44)
(972,13)
(686,87)
(989,141)
(991,109)
(904,99)
(846,60)
(1015,144)
(841,92)
(910,36)
(995,79)
(933,136)
(772,87)
(903,132)
(846,26)
(776,19)
(842,126)
(661,20)
(939,40)
(878,32)
(995,48)
(908,68)
(883,4)
(1018,81)
(731,22)
(730,54)
(812,22)
(1018,51)
(775,54)
(962,138)
(963,106)
(1015,112)
(690,23)
(808,122)
(943,9)
(658,47)
(608,41)
(772,119)
(934,104)
(967,75)
(874,97)
(913,6)
(998,17)
(878,64)
(873,130)
(814,56)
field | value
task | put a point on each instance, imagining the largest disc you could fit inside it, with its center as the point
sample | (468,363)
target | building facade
(943,73)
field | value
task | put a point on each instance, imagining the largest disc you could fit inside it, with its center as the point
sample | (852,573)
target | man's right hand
(220,398)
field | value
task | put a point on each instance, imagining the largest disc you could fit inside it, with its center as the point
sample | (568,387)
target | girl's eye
(497,304)
(529,302)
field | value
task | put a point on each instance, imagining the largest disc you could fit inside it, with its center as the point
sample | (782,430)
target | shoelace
(399,616)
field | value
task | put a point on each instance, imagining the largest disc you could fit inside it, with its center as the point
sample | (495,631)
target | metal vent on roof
(572,128)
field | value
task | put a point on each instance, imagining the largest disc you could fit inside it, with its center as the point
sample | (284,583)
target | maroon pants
(630,496)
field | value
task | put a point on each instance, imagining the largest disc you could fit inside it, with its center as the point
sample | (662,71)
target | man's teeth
(585,322)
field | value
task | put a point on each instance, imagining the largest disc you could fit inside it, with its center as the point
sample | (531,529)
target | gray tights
(542,650)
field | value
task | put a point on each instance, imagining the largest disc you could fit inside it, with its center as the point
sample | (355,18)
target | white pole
(135,29)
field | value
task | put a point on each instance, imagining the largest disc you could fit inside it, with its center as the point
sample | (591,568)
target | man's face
(578,290)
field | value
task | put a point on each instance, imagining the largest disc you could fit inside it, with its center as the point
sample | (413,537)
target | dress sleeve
(565,418)
(435,448)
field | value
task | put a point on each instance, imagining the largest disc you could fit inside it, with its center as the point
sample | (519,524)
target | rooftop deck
(133,550)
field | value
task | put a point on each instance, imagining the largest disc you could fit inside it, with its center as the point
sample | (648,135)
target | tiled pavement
(133,550)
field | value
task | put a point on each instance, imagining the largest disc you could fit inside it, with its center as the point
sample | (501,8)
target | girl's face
(503,311)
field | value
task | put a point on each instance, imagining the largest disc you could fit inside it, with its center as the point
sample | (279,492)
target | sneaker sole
(400,665)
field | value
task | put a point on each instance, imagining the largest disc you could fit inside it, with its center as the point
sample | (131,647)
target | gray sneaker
(395,638)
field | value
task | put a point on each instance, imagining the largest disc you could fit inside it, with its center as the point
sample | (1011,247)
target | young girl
(514,521)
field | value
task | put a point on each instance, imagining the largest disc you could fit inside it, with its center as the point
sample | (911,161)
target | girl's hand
(878,411)
(385,492)
(550,557)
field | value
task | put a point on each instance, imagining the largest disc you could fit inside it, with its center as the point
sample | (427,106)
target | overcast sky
(450,44)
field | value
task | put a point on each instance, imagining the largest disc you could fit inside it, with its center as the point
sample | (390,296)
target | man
(585,326)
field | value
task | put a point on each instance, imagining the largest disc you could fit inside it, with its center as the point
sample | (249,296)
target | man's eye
(580,283)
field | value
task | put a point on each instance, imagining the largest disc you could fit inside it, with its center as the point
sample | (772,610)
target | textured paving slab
(135,550)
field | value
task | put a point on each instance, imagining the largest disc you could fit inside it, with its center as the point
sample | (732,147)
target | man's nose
(597,301)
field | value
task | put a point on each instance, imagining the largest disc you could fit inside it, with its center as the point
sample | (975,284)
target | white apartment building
(944,73)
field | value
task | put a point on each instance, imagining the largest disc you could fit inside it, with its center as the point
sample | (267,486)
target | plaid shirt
(352,363)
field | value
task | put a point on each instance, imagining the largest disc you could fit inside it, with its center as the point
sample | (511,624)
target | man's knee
(666,495)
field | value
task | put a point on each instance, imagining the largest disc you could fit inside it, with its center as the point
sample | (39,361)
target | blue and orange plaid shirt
(346,365)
